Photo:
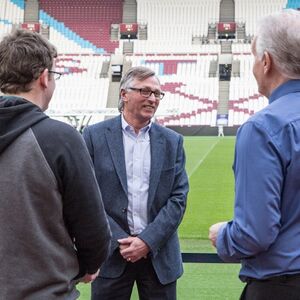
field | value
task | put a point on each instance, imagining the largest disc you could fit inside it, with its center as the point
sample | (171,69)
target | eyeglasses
(56,75)
(147,93)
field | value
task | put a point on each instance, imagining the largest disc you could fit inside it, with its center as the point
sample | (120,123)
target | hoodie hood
(16,116)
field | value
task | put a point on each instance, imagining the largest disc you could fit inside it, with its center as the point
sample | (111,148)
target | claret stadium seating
(200,49)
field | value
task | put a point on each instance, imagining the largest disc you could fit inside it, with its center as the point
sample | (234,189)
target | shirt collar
(127,127)
(290,86)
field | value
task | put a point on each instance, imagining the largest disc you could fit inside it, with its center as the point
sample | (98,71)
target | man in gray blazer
(140,167)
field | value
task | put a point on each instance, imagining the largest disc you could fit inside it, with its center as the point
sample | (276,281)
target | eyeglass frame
(58,74)
(160,97)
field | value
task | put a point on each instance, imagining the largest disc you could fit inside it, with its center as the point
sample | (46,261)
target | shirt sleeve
(258,175)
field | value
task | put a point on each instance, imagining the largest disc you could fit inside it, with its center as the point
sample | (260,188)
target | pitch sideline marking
(203,158)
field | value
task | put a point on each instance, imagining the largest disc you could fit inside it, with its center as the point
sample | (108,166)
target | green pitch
(209,166)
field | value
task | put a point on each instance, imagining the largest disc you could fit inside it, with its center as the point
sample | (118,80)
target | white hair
(279,35)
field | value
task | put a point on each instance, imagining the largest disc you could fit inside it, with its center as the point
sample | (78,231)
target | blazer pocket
(166,180)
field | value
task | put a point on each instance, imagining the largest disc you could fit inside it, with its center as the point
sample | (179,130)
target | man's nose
(152,97)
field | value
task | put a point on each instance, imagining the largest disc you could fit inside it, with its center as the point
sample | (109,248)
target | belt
(280,278)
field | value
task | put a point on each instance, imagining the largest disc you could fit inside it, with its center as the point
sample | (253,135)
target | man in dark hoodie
(53,227)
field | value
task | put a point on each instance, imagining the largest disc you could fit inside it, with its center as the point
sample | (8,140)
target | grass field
(209,166)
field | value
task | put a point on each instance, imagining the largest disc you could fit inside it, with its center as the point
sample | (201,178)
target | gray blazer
(168,190)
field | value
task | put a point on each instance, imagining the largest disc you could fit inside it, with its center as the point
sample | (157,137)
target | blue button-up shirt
(137,160)
(265,232)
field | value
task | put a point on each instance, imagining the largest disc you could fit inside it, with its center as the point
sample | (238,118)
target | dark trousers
(286,287)
(141,272)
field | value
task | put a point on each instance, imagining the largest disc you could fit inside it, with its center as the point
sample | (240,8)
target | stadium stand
(200,49)
(295,4)
(80,86)
(191,98)
(250,11)
(173,24)
(90,20)
(11,12)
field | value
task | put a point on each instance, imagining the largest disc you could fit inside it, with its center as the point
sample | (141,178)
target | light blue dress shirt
(138,161)
(265,232)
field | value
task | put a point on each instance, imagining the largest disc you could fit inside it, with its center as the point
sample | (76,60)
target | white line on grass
(203,158)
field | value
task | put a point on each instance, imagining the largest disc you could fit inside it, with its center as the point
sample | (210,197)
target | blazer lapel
(115,143)
(157,146)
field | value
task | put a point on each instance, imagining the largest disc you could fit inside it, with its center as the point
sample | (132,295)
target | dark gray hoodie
(53,227)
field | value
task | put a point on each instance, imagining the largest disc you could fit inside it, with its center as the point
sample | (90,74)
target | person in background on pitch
(53,227)
(264,234)
(140,167)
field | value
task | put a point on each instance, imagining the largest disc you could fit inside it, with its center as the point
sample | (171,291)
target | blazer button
(124,210)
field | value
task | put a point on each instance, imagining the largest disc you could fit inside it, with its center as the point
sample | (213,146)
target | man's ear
(267,62)
(123,94)
(44,78)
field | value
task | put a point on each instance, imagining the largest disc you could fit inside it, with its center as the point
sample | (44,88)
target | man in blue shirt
(264,234)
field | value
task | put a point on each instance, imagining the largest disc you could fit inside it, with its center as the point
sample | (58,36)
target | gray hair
(140,73)
(279,35)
